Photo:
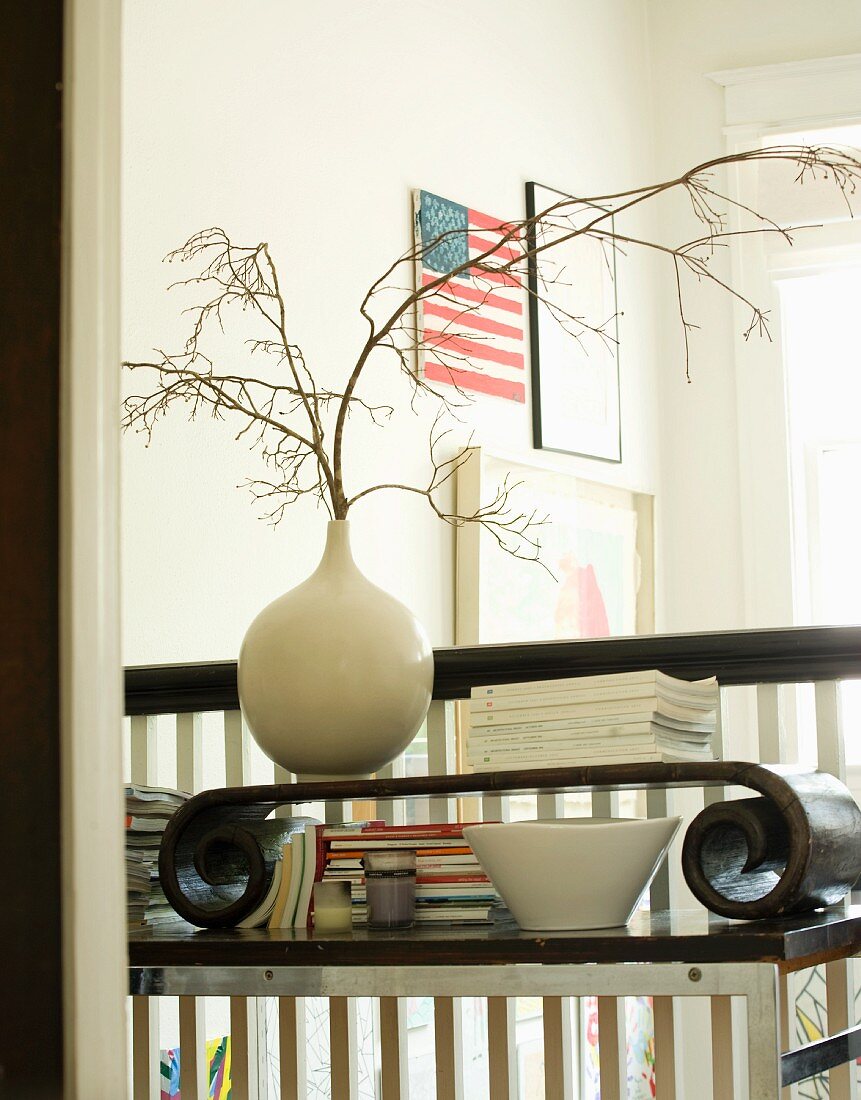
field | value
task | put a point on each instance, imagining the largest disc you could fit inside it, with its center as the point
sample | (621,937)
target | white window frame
(759,102)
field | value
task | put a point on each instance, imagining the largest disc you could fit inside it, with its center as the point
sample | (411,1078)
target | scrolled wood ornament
(217,857)
(794,847)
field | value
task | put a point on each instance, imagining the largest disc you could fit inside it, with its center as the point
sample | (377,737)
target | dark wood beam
(735,657)
(31,1038)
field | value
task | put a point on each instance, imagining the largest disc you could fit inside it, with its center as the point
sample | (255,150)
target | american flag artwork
(471,330)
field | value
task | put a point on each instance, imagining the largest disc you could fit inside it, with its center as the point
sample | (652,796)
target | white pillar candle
(333,907)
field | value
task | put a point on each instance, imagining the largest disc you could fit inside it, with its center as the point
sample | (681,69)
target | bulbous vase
(335,676)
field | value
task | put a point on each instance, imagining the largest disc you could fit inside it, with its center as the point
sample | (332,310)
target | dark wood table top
(678,936)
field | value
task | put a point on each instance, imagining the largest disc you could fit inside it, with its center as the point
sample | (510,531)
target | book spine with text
(567,683)
(646,692)
(588,710)
(525,761)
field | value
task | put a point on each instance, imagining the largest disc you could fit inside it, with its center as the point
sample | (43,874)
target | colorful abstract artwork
(640,1052)
(218,1060)
(811,1023)
(595,550)
(471,328)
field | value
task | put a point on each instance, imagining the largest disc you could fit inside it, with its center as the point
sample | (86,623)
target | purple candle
(390,883)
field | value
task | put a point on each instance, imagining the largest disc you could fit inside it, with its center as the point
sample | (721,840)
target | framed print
(573,325)
(596,549)
(471,330)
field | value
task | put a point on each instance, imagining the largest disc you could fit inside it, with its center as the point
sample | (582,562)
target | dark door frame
(31,992)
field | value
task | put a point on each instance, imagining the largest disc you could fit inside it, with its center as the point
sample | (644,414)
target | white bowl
(574,873)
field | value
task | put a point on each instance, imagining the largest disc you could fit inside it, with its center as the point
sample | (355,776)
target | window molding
(760,102)
(791,95)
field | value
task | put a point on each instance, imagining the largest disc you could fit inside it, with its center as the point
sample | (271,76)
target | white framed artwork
(596,548)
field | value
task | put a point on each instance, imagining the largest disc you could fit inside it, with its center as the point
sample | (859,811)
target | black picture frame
(542,389)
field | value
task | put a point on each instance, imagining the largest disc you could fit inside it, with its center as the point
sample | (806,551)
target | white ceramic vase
(335,676)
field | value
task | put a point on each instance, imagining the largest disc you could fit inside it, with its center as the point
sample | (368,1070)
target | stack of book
(450,884)
(148,810)
(622,718)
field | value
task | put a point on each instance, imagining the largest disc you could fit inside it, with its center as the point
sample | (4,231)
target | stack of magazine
(622,718)
(148,810)
(451,886)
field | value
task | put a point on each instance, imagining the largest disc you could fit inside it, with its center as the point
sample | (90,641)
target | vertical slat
(343,1048)
(719,751)
(244,1053)
(773,749)
(448,1047)
(725,1039)
(556,1011)
(840,1005)
(605,804)
(192,1045)
(448,1027)
(786,1019)
(658,804)
(235,749)
(281,775)
(664,1017)
(394,1070)
(502,1048)
(839,975)
(291,1047)
(772,735)
(612,1047)
(495,807)
(501,1043)
(442,755)
(247,1018)
(612,1043)
(336,813)
(144,749)
(189,752)
(392,812)
(550,806)
(723,1081)
(558,1048)
(830,745)
(145,1040)
(192,1039)
(343,1022)
(146,1068)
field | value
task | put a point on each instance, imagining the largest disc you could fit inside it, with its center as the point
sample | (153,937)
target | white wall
(701,481)
(307,125)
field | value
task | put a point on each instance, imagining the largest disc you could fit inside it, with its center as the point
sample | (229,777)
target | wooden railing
(760,709)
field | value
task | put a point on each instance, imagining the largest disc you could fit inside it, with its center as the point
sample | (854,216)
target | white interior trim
(817,66)
(93,894)
(795,94)
(762,101)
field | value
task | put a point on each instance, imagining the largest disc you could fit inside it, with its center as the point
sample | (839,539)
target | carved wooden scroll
(794,847)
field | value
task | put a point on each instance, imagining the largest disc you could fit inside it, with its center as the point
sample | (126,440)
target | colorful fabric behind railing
(640,1029)
(218,1061)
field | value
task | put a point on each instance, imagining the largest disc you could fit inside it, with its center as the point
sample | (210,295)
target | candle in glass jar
(390,884)
(333,907)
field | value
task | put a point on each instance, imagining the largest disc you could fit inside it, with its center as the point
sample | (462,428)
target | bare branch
(299,427)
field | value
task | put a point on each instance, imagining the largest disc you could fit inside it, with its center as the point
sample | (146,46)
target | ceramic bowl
(575,873)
